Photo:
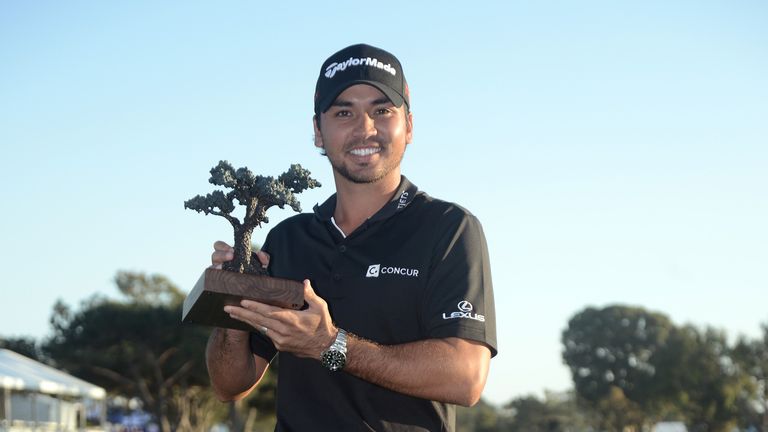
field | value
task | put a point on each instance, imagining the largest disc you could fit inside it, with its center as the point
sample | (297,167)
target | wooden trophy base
(217,288)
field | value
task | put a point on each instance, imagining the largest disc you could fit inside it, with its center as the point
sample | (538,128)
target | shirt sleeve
(458,300)
(262,346)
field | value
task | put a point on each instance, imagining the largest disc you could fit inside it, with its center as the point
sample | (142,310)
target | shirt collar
(404,196)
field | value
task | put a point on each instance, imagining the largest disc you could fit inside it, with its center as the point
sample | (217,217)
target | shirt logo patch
(373,270)
(464,312)
(403,201)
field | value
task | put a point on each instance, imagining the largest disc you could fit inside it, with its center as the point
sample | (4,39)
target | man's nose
(365,127)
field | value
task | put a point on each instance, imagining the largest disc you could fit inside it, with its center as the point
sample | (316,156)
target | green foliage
(706,382)
(23,345)
(614,347)
(752,357)
(556,413)
(615,412)
(483,417)
(258,194)
(136,348)
(632,367)
(148,289)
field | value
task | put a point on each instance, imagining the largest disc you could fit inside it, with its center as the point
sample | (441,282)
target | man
(399,324)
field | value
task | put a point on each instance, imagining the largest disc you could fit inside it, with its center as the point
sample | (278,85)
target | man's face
(364,135)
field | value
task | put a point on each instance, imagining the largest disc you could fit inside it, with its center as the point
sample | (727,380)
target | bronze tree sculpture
(257,193)
(245,278)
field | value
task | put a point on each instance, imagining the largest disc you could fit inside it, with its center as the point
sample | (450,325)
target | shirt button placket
(336,275)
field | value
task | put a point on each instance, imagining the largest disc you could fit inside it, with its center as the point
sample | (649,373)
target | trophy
(244,277)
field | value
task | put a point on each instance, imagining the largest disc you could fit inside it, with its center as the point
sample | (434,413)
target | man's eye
(383,111)
(343,114)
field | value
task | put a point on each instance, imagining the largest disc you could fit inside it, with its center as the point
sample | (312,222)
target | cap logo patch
(334,67)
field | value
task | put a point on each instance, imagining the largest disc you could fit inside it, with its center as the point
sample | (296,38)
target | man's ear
(408,127)
(318,135)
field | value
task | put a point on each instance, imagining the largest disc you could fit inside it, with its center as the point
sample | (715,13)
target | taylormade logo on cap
(334,67)
(360,64)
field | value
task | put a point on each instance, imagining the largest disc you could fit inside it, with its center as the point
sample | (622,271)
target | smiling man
(400,323)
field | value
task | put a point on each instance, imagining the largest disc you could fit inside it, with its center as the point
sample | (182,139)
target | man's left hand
(304,333)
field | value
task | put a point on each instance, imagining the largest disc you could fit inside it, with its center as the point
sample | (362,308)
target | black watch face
(334,360)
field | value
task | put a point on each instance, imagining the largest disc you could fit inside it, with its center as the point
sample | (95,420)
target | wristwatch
(335,357)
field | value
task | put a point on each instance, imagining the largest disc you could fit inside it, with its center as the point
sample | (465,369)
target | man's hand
(306,333)
(223,252)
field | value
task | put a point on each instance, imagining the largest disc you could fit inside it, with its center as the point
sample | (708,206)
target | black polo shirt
(418,269)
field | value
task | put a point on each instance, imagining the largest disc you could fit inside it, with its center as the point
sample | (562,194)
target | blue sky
(615,152)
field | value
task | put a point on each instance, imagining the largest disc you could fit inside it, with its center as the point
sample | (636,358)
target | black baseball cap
(360,64)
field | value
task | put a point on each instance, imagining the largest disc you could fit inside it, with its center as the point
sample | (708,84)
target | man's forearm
(448,370)
(233,369)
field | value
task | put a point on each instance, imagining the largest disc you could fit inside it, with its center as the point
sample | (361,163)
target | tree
(482,417)
(615,412)
(614,347)
(558,412)
(699,370)
(23,345)
(138,348)
(752,357)
(258,194)
(635,366)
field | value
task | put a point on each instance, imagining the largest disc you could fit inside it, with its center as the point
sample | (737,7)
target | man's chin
(362,178)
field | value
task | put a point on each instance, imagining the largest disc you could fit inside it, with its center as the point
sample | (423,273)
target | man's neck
(356,202)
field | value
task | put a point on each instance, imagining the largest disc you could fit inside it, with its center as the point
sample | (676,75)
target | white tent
(35,395)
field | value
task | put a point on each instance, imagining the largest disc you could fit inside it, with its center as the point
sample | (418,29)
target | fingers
(312,299)
(263,258)
(304,333)
(220,245)
(222,253)
(308,290)
(257,319)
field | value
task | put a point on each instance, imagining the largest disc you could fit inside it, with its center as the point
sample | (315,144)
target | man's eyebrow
(344,103)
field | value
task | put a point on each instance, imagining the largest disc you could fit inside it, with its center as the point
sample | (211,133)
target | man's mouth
(365,151)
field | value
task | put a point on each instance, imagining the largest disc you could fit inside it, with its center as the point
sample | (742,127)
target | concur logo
(464,312)
(374,270)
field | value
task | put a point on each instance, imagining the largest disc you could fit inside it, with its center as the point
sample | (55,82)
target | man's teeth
(364,151)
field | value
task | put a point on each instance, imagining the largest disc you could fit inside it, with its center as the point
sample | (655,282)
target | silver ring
(263,330)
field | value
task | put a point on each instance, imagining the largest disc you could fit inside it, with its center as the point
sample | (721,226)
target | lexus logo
(464,312)
(465,306)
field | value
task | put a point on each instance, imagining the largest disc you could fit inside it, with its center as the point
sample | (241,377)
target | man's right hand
(223,252)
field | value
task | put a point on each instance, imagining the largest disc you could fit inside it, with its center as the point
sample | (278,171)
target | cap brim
(392,95)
